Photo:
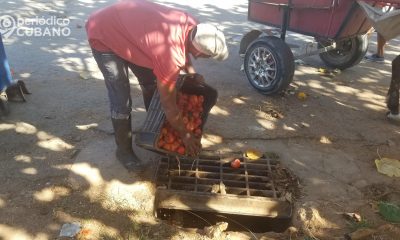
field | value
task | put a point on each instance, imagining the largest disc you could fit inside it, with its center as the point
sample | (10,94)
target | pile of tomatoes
(191,107)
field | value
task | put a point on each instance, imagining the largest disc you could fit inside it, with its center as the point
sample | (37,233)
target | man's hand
(192,144)
(196,77)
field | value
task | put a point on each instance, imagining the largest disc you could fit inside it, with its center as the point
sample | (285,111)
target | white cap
(209,40)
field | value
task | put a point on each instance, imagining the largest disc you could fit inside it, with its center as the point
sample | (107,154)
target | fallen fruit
(235,163)
(253,154)
(302,96)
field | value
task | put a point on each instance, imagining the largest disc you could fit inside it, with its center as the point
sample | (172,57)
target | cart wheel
(349,52)
(269,65)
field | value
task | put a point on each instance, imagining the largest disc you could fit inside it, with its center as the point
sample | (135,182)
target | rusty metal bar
(228,176)
(240,205)
(197,173)
(272,180)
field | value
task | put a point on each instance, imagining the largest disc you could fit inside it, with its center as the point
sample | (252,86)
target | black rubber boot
(123,139)
(17,91)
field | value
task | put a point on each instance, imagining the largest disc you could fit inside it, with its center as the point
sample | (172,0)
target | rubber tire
(284,63)
(359,48)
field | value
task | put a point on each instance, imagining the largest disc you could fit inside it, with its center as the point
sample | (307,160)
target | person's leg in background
(5,79)
(381,46)
(392,100)
(115,72)
(147,81)
(379,56)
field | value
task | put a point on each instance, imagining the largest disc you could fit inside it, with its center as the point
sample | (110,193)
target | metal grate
(210,176)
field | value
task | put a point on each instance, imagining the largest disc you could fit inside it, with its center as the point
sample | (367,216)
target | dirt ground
(56,152)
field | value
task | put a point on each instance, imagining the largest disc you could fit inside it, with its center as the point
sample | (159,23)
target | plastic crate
(147,137)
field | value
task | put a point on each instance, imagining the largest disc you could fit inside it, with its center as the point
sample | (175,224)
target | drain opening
(207,190)
(199,220)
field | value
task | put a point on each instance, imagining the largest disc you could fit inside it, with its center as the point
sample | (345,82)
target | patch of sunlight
(62,166)
(87,126)
(87,1)
(325,140)
(91,174)
(287,128)
(11,233)
(375,106)
(238,101)
(6,126)
(139,109)
(375,78)
(51,193)
(25,128)
(117,196)
(29,171)
(318,181)
(99,230)
(240,144)
(346,105)
(23,158)
(226,149)
(345,89)
(50,142)
(311,215)
(45,195)
(2,203)
(266,124)
(219,111)
(299,163)
(54,227)
(207,5)
(209,140)
(316,85)
(25,75)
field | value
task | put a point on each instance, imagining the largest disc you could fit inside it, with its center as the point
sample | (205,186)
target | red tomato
(185,120)
(164,131)
(193,99)
(197,122)
(235,163)
(174,146)
(170,138)
(201,99)
(196,114)
(197,132)
(181,150)
(161,143)
(167,147)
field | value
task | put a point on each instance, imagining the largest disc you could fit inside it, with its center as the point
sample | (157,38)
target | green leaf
(389,211)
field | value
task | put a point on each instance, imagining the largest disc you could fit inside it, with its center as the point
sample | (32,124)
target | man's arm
(189,65)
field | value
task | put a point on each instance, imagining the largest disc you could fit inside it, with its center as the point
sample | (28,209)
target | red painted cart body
(333,19)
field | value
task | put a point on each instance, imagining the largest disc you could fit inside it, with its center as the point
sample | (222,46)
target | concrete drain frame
(259,188)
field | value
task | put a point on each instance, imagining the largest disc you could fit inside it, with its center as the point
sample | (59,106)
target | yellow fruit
(301,95)
(253,154)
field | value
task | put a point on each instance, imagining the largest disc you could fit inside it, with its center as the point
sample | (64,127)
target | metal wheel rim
(262,67)
(345,51)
